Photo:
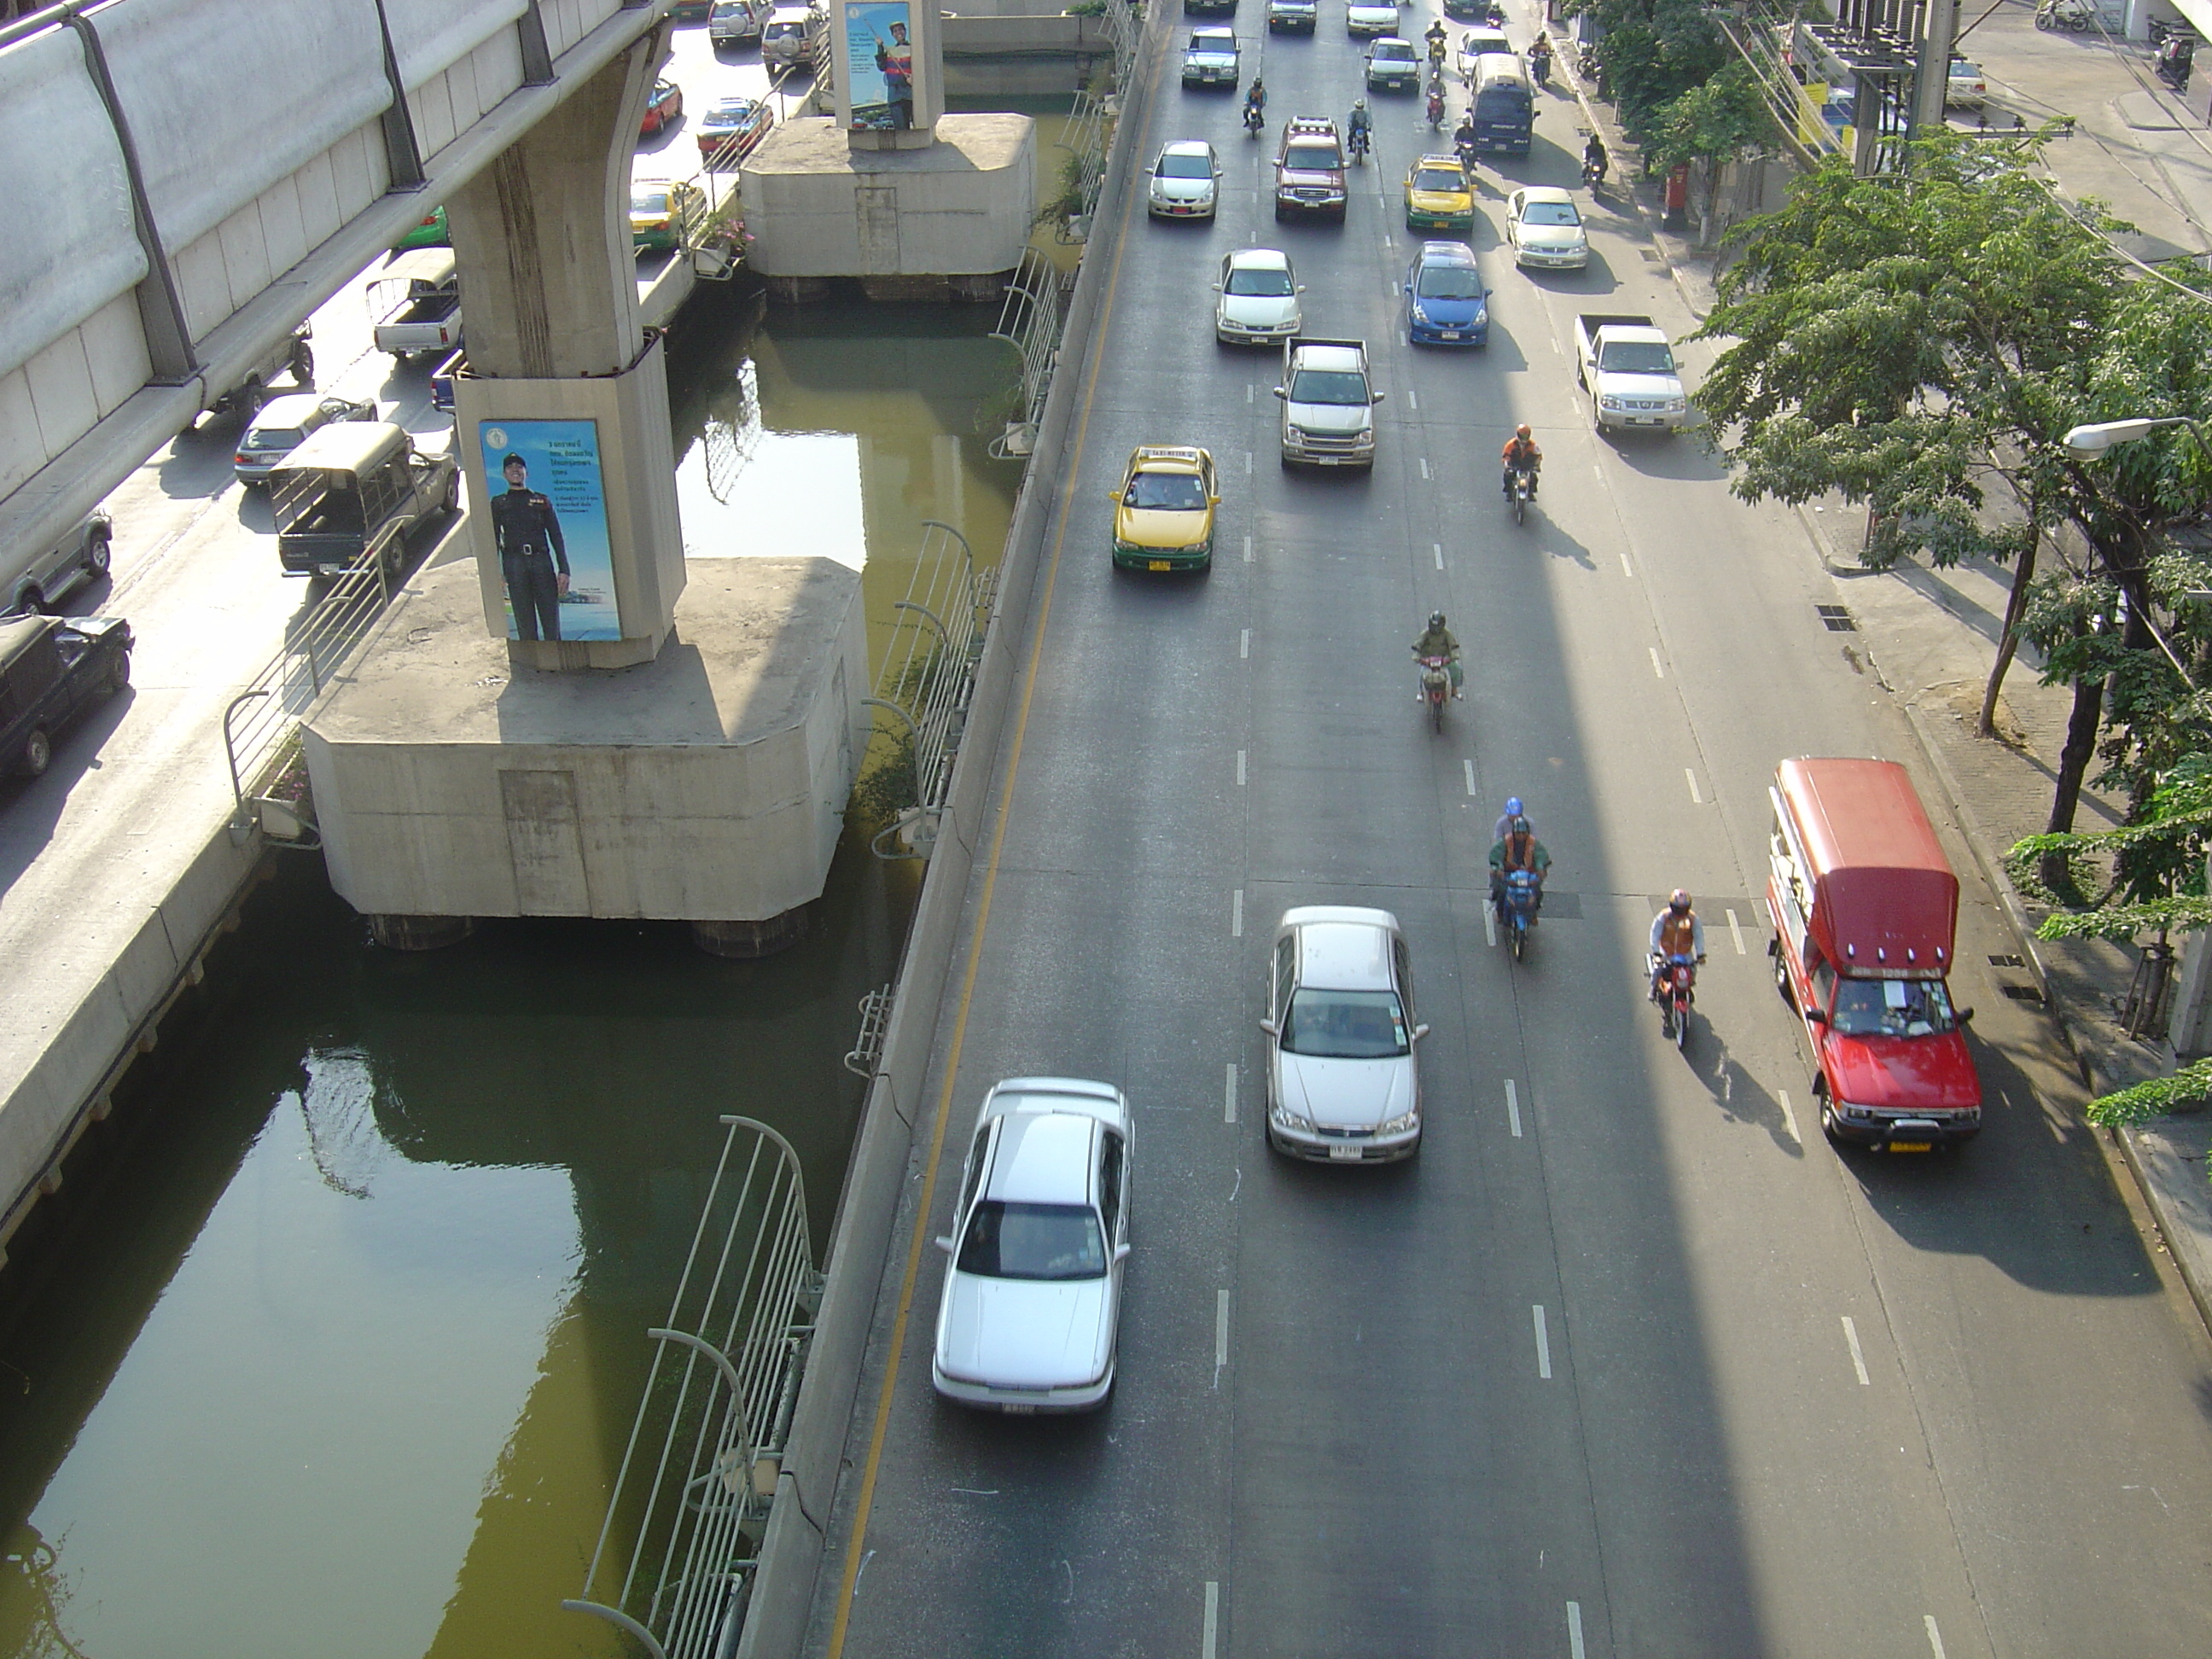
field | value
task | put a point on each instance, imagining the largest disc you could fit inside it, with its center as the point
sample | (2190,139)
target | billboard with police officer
(549,520)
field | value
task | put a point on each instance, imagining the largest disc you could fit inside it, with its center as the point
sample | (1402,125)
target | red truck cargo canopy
(1885,901)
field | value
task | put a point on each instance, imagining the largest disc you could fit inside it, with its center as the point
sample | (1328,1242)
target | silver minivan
(44,579)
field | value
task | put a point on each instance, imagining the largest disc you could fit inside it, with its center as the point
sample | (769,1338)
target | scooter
(1586,62)
(1593,175)
(2074,15)
(1357,143)
(1436,107)
(1518,490)
(1467,156)
(1516,910)
(1254,119)
(1674,996)
(1436,688)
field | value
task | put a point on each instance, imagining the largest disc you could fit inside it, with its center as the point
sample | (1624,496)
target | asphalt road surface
(1629,1361)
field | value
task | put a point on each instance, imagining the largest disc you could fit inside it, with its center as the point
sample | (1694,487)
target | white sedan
(1371,17)
(1258,301)
(1041,1230)
(1185,181)
(1342,1085)
(1544,228)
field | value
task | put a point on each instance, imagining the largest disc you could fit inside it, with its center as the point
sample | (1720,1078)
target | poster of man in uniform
(549,521)
(879,63)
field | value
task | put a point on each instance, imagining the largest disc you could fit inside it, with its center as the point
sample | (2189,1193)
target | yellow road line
(851,1573)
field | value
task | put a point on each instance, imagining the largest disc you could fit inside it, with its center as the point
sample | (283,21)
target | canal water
(336,1353)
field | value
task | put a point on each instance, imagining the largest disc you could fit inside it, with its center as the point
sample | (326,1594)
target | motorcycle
(1468,155)
(2074,15)
(1586,63)
(1496,17)
(1520,486)
(1254,119)
(1436,688)
(1516,910)
(1540,66)
(1357,143)
(1436,107)
(1675,995)
(1593,175)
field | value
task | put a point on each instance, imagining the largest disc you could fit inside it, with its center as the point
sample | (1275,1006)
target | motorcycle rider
(1464,139)
(1521,454)
(1360,127)
(1675,932)
(1540,59)
(1513,811)
(1517,849)
(1594,160)
(1436,101)
(1436,640)
(1255,102)
(1435,35)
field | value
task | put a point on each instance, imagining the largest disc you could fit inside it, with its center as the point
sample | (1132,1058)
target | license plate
(1451,334)
(1911,1146)
(1344,1154)
(1159,564)
(1019,1411)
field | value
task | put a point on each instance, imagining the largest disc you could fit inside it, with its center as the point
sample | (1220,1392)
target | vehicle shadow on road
(33,806)
(1681,455)
(198,465)
(1738,1095)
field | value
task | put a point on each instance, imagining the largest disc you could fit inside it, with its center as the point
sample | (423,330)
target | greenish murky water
(335,1355)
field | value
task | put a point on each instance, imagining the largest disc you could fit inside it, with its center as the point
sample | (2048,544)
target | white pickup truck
(417,302)
(1328,402)
(1628,369)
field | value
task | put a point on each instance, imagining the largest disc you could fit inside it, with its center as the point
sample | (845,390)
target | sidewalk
(1932,635)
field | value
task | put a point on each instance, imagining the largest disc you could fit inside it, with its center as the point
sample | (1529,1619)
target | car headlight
(1401,1124)
(1608,401)
(1287,1118)
(1421,311)
(1481,314)
(1678,406)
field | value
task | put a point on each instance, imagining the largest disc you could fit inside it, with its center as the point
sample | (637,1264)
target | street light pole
(2091,442)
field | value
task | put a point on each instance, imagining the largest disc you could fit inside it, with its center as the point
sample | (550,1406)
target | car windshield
(1171,491)
(1328,386)
(1185,166)
(1213,43)
(1892,1008)
(1270,284)
(1437,178)
(730,115)
(1448,283)
(1033,1240)
(1549,213)
(648,201)
(1400,49)
(1321,157)
(273,437)
(1344,1025)
(1638,357)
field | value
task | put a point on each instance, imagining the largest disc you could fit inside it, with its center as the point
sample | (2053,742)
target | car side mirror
(1300,289)
(1377,398)
(1120,1253)
(1282,393)
(944,1243)
(1114,497)
(1420,1031)
(1213,500)
(1271,1028)
(1217,287)
(1817,1016)
(1966,1017)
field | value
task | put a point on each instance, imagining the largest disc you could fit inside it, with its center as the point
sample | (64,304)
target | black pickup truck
(51,670)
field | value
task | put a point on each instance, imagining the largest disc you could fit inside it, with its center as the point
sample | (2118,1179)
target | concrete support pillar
(419,933)
(745,940)
(887,70)
(561,422)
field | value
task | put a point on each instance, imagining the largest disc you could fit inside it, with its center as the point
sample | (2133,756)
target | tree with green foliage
(1650,53)
(1914,343)
(1713,123)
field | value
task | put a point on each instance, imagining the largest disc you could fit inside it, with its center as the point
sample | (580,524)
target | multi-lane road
(1629,1361)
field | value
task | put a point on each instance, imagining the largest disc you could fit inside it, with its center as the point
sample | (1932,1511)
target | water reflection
(340,1356)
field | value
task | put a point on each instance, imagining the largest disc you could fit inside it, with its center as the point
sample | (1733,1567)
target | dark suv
(1310,169)
(1290,16)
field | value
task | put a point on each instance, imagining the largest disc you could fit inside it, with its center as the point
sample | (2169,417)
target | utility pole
(1931,86)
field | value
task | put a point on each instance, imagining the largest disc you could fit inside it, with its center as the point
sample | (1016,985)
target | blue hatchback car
(1447,301)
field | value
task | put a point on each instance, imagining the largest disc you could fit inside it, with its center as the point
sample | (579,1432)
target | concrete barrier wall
(861,1246)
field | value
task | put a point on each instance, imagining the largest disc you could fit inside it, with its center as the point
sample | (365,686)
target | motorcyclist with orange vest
(1675,932)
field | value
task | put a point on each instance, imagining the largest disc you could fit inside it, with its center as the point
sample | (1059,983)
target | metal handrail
(740,1320)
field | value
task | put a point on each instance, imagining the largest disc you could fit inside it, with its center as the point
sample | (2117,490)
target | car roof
(343,444)
(1343,947)
(1042,1158)
(1545,193)
(1187,147)
(1444,253)
(1167,457)
(732,107)
(1211,35)
(293,409)
(1391,40)
(1260,258)
(1450,161)
(1063,1094)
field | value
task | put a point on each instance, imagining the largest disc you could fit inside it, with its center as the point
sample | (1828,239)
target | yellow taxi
(1164,511)
(1438,196)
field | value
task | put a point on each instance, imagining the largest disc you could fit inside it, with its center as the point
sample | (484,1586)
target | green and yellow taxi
(1438,196)
(1163,510)
(657,210)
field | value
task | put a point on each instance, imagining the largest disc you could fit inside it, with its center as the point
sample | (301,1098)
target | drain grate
(2008,962)
(1651,256)
(2022,993)
(1837,619)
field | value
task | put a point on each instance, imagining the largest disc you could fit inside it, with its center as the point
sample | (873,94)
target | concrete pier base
(707,785)
(815,206)
(745,940)
(419,933)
